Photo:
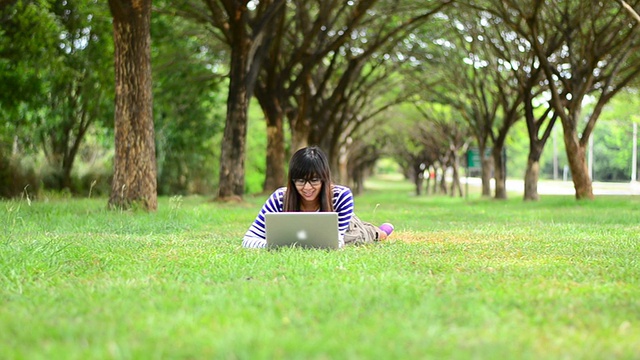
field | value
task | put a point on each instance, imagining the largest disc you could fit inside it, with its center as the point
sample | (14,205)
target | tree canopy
(328,73)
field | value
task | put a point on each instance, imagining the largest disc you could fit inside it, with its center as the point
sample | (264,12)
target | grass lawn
(459,279)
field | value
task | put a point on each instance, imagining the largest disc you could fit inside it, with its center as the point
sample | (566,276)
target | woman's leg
(362,232)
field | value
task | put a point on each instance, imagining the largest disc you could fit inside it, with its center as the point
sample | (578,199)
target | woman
(309,188)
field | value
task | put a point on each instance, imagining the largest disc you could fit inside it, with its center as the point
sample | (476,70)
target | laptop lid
(304,229)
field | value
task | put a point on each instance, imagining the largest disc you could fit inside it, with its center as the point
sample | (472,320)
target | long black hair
(309,163)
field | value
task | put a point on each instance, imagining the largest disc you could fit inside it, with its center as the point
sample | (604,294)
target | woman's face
(309,189)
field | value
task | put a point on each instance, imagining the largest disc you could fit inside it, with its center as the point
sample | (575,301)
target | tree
(358,83)
(448,136)
(79,87)
(491,45)
(301,45)
(246,27)
(187,119)
(27,39)
(585,50)
(327,67)
(539,129)
(614,140)
(362,157)
(134,179)
(484,87)
(428,138)
(415,149)
(529,85)
(469,86)
(58,77)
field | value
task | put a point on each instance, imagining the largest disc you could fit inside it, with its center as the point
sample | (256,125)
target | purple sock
(386,227)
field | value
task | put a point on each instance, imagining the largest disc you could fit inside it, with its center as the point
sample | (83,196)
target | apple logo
(302,235)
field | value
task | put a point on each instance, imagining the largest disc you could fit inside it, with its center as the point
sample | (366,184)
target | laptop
(303,229)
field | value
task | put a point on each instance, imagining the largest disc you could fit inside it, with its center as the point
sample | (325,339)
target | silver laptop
(303,229)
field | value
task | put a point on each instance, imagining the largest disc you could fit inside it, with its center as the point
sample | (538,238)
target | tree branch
(630,10)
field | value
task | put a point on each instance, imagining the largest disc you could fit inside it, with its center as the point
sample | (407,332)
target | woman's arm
(343,205)
(255,237)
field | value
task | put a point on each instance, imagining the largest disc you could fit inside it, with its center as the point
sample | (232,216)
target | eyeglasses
(302,182)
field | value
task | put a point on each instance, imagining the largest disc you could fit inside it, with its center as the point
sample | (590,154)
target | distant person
(309,188)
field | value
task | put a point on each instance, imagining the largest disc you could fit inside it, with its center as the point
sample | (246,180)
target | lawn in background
(460,278)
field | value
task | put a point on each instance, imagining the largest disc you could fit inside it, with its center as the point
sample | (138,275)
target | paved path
(552,187)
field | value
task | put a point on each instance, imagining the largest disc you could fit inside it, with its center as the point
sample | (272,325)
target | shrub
(15,179)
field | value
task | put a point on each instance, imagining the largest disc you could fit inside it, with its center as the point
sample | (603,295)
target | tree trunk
(135,173)
(300,137)
(455,182)
(70,155)
(576,156)
(359,173)
(343,168)
(418,178)
(67,166)
(358,181)
(443,181)
(485,173)
(334,165)
(275,172)
(499,175)
(233,151)
(531,180)
(536,144)
(532,173)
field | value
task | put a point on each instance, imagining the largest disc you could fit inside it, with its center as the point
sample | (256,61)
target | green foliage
(57,62)
(189,105)
(25,45)
(387,166)
(517,151)
(255,167)
(403,141)
(16,179)
(56,69)
(479,279)
(612,152)
(613,138)
(25,49)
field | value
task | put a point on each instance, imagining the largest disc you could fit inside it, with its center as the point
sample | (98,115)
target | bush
(95,182)
(15,179)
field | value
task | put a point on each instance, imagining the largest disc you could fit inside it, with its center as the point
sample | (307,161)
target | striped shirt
(342,204)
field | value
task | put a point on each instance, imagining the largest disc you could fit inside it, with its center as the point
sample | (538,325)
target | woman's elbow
(251,243)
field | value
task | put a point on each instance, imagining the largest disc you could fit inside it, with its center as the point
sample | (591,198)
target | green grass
(459,279)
